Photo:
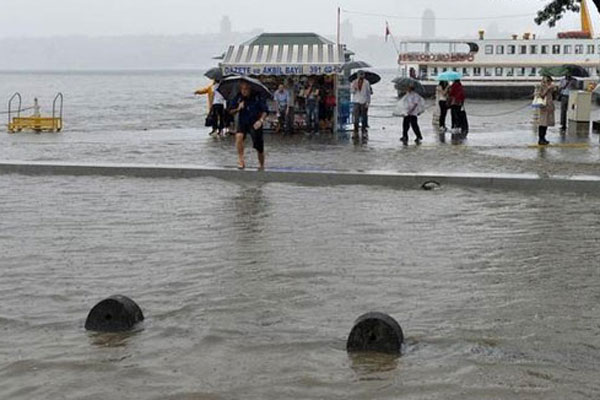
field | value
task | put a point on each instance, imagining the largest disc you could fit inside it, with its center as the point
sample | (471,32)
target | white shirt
(218,97)
(415,104)
(362,96)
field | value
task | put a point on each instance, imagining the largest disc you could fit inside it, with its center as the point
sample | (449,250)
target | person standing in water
(441,96)
(252,111)
(312,96)
(361,99)
(457,100)
(415,105)
(218,112)
(567,84)
(546,92)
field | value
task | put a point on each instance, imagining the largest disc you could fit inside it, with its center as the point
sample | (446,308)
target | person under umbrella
(567,84)
(251,109)
(457,100)
(361,99)
(441,96)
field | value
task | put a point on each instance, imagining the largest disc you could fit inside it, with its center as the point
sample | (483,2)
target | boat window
(510,72)
(499,71)
(521,72)
(511,49)
(487,72)
(533,49)
(455,69)
(567,49)
(579,49)
(533,72)
(591,49)
(477,71)
(544,49)
(489,49)
(522,49)
(556,49)
(500,49)
(445,69)
(465,71)
(434,71)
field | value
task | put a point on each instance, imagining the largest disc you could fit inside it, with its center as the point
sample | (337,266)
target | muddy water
(250,290)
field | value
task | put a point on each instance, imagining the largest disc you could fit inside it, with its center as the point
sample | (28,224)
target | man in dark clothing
(567,84)
(252,111)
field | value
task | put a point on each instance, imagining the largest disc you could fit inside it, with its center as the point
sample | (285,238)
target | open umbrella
(449,76)
(575,71)
(230,87)
(372,77)
(402,85)
(216,74)
(349,66)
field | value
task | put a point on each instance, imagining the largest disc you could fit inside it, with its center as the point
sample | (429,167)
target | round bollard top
(114,314)
(376,332)
(431,185)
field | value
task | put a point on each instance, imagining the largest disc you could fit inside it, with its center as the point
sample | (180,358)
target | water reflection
(373,366)
(112,340)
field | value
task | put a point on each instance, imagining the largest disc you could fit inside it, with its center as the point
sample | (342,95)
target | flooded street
(153,117)
(250,290)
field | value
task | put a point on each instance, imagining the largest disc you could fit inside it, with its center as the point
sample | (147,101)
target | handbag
(539,102)
(210,119)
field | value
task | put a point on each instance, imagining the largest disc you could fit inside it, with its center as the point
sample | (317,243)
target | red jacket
(457,93)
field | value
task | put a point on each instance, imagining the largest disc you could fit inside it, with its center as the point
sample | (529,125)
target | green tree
(556,9)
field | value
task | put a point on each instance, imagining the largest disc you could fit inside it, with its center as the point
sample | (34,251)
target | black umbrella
(349,66)
(402,85)
(230,87)
(216,74)
(577,71)
(372,77)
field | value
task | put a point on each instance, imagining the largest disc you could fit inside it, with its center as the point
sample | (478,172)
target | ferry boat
(501,68)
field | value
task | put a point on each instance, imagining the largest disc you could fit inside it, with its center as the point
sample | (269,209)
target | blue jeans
(361,116)
(312,116)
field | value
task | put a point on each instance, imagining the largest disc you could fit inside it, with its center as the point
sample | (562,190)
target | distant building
(225,26)
(428,25)
(347,31)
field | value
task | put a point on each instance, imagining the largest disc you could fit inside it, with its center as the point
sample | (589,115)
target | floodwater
(250,290)
(153,117)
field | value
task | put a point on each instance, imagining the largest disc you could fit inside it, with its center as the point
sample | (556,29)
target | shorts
(258,141)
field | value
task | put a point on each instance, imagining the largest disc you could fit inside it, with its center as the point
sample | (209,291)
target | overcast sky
(118,17)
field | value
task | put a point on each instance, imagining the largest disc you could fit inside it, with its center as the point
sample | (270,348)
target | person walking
(361,99)
(414,105)
(441,96)
(546,93)
(457,98)
(312,98)
(567,84)
(252,111)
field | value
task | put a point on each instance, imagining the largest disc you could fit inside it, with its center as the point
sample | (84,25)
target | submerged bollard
(114,314)
(431,185)
(375,332)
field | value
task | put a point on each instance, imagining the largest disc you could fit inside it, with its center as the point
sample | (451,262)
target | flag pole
(339,16)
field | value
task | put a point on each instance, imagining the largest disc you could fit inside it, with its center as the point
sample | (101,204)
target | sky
(43,18)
